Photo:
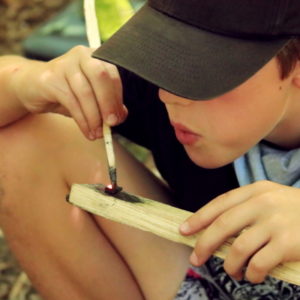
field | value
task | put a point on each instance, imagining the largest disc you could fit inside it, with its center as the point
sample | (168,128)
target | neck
(287,133)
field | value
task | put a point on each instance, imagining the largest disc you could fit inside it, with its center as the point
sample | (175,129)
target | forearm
(11,109)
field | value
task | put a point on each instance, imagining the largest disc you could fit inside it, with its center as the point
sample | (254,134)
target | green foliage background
(112,14)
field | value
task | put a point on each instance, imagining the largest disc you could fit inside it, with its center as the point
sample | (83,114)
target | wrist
(19,81)
(23,81)
(11,106)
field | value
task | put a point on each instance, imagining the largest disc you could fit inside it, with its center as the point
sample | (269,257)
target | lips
(184,135)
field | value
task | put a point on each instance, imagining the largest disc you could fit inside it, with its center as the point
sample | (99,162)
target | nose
(171,99)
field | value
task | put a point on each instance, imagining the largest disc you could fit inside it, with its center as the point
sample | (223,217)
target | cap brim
(183,59)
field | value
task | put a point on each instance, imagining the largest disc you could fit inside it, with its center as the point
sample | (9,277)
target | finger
(244,246)
(116,80)
(263,262)
(68,100)
(117,103)
(86,98)
(207,214)
(59,109)
(106,85)
(228,224)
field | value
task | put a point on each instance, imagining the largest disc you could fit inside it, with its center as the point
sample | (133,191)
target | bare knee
(38,144)
(28,150)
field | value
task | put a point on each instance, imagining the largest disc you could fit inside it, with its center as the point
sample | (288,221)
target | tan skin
(226,125)
(73,84)
(67,253)
(264,107)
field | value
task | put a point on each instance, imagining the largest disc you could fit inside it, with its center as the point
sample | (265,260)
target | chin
(207,160)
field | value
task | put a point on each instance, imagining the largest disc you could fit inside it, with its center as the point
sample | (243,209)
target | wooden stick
(158,218)
(93,35)
(92,29)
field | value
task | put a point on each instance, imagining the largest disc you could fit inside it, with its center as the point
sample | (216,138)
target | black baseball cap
(199,49)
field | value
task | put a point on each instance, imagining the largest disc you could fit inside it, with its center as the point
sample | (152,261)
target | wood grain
(157,218)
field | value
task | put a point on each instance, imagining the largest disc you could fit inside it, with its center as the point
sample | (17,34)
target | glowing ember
(112,189)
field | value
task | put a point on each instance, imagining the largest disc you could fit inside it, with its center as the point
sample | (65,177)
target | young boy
(213,90)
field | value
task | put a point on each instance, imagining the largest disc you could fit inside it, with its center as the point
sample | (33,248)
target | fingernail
(185,227)
(194,259)
(112,119)
(99,132)
(91,136)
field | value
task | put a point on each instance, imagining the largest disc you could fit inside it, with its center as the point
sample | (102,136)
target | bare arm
(11,109)
(74,84)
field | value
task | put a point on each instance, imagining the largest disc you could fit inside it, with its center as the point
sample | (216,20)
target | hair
(288,57)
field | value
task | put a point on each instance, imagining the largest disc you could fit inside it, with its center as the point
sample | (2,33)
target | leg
(76,255)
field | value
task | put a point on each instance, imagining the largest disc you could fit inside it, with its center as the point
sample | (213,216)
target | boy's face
(217,131)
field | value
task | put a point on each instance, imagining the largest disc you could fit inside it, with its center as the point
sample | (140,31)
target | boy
(221,52)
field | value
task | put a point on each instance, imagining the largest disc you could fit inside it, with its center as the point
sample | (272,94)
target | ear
(296,77)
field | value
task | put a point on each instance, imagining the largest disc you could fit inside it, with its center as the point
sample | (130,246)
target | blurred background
(45,29)
(19,18)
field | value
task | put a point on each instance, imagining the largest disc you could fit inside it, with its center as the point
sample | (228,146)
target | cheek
(229,125)
(231,130)
(244,120)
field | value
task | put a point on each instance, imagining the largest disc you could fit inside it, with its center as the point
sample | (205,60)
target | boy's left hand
(271,214)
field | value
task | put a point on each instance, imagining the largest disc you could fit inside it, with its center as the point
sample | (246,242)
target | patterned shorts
(211,282)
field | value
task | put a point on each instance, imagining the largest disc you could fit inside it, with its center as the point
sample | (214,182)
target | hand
(269,212)
(76,85)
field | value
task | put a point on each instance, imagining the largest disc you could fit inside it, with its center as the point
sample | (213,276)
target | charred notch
(112,190)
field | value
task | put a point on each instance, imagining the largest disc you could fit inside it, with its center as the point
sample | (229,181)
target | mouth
(184,135)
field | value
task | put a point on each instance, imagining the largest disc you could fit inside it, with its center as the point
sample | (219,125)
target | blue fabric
(263,162)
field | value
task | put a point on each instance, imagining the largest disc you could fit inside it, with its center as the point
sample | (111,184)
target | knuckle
(46,77)
(76,78)
(92,66)
(268,199)
(203,249)
(256,267)
(222,222)
(277,221)
(79,48)
(87,93)
(285,242)
(239,247)
(222,199)
(199,218)
(72,104)
(103,74)
(262,184)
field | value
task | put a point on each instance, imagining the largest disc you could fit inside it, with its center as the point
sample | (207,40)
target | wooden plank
(157,218)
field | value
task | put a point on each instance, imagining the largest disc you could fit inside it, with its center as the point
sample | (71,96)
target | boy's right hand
(76,85)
